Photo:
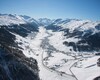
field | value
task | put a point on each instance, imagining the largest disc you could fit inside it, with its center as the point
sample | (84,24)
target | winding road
(49,49)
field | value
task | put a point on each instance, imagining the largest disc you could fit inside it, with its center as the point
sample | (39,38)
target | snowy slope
(87,69)
(28,19)
(34,50)
(74,24)
(8,19)
(79,34)
(57,51)
(45,21)
(59,65)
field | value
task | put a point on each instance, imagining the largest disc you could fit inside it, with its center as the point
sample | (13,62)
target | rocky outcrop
(14,65)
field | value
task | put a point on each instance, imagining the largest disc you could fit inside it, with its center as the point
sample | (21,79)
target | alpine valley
(49,49)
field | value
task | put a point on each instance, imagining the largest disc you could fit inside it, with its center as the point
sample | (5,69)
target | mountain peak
(8,19)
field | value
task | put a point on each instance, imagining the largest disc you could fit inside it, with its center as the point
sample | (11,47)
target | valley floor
(54,62)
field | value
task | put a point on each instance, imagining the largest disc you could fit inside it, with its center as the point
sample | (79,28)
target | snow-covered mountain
(74,24)
(45,49)
(45,21)
(14,65)
(9,19)
(83,35)
(18,24)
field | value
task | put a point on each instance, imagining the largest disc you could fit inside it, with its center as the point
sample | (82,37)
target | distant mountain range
(87,32)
